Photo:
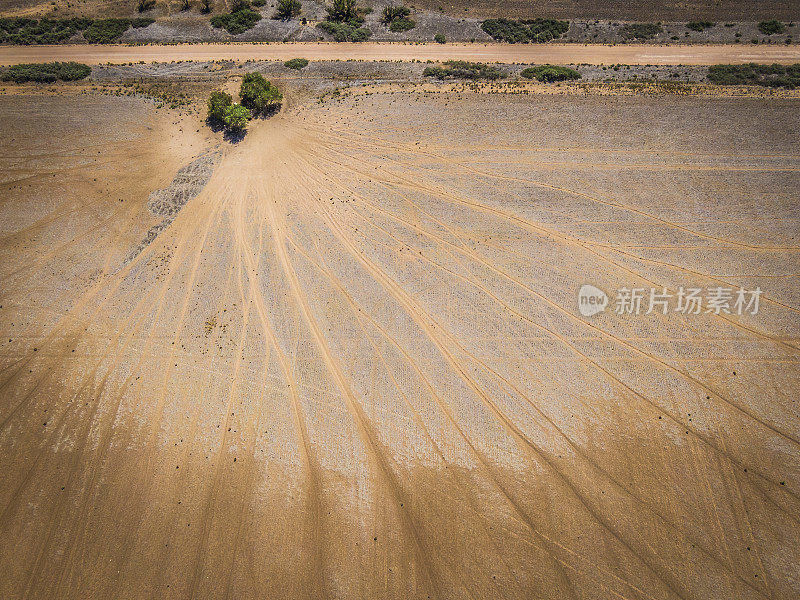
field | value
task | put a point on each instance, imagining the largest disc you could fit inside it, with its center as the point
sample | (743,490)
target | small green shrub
(525,30)
(296,63)
(46,72)
(288,9)
(143,5)
(258,94)
(785,76)
(439,38)
(259,3)
(236,22)
(345,32)
(771,27)
(459,69)
(550,73)
(400,25)
(700,25)
(640,31)
(218,103)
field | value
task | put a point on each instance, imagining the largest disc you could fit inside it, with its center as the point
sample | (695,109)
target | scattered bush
(786,76)
(47,72)
(237,21)
(258,94)
(700,25)
(205,7)
(550,73)
(400,25)
(459,69)
(296,63)
(640,31)
(345,32)
(259,3)
(143,5)
(288,9)
(439,38)
(771,27)
(526,30)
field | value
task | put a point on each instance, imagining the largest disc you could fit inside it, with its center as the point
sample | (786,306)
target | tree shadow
(269,112)
(234,136)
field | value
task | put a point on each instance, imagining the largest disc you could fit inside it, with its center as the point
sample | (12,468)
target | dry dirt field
(342,358)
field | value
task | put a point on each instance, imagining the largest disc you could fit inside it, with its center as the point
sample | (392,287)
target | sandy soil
(505,53)
(352,366)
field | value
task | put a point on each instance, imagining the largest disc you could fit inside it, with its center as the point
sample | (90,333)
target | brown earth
(353,366)
(503,53)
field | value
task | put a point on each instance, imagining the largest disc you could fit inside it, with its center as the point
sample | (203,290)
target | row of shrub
(550,73)
(24,31)
(257,96)
(525,30)
(460,69)
(640,31)
(786,76)
(766,27)
(46,72)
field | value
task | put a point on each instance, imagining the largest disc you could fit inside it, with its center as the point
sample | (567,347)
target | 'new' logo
(591,300)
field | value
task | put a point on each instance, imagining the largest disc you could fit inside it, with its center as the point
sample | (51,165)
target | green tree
(288,9)
(218,104)
(236,117)
(258,94)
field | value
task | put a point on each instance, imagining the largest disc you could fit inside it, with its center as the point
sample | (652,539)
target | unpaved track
(352,366)
(503,53)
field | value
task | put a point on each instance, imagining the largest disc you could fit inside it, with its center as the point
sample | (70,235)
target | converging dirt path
(352,366)
(504,53)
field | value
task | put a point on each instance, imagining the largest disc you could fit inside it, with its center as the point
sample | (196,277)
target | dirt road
(504,53)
